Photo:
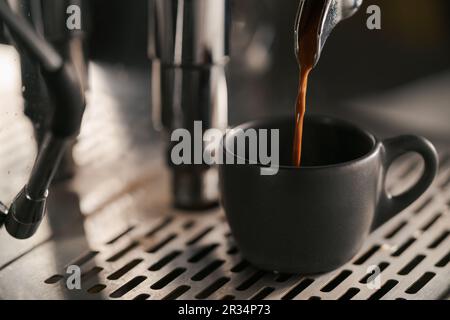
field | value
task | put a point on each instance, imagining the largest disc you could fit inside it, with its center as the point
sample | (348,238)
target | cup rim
(317,117)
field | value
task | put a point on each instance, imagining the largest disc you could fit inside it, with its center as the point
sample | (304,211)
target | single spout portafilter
(188,45)
(333,12)
(27,210)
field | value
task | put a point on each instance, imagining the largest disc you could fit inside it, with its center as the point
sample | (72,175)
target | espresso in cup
(315,218)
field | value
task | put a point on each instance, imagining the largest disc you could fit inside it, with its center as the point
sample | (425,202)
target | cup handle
(388,205)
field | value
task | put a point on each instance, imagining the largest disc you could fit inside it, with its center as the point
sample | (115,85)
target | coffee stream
(307,44)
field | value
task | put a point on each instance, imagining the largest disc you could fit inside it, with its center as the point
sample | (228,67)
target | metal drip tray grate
(114,221)
(194,257)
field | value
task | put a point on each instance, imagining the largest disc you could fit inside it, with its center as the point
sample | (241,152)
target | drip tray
(133,246)
(115,222)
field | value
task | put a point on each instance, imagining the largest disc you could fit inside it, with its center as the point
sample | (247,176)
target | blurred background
(398,76)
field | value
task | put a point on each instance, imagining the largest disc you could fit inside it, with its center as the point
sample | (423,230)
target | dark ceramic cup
(315,218)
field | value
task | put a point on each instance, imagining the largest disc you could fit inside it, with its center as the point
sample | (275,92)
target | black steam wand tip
(29,206)
(3,213)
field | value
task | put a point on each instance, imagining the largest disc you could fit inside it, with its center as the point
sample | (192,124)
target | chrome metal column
(189,49)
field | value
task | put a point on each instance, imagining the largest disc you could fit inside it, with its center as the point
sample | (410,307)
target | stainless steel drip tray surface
(115,222)
(132,245)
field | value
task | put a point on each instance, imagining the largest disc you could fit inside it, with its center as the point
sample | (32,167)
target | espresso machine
(137,225)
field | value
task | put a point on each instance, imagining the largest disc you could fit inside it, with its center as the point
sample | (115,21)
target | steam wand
(28,208)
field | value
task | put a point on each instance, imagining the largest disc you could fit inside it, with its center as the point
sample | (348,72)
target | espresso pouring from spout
(333,12)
